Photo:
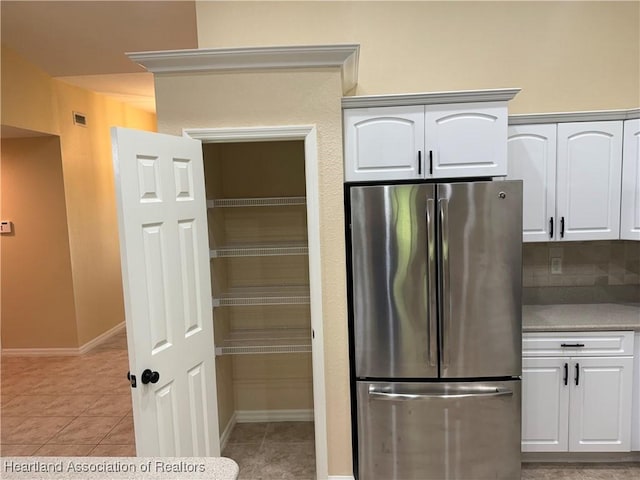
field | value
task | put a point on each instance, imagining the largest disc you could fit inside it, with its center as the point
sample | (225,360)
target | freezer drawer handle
(377,395)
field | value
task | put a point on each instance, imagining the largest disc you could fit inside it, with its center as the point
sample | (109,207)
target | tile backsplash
(589,271)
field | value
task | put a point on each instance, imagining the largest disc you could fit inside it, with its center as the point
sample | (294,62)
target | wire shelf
(256,341)
(255,202)
(284,295)
(259,250)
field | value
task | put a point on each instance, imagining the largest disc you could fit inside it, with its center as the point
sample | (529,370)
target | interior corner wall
(27,95)
(91,206)
(34,101)
(287,98)
(36,311)
(566,56)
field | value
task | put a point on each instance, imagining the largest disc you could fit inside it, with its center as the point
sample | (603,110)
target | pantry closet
(260,281)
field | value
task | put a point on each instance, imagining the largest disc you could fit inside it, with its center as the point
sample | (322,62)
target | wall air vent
(80,119)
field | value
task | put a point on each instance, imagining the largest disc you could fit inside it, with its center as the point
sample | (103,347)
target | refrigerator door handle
(445,305)
(403,397)
(432,347)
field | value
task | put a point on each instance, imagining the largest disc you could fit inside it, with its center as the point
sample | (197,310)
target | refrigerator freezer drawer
(439,431)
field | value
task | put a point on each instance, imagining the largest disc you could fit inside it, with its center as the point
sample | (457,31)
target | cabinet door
(630,211)
(545,400)
(466,139)
(600,408)
(532,159)
(589,174)
(384,143)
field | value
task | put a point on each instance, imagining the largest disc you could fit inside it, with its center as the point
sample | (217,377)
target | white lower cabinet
(545,403)
(576,403)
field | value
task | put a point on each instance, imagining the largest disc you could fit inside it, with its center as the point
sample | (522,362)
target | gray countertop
(587,317)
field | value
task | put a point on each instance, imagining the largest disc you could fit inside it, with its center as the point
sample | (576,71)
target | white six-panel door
(630,211)
(545,401)
(532,159)
(600,406)
(167,291)
(589,170)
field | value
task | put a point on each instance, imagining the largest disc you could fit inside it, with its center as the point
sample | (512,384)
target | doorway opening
(262,208)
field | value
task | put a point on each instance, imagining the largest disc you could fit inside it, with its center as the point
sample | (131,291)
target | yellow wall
(34,101)
(566,56)
(287,98)
(27,95)
(91,207)
(37,288)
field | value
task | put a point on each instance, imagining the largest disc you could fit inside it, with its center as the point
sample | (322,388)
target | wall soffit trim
(431,98)
(344,57)
(248,134)
(593,116)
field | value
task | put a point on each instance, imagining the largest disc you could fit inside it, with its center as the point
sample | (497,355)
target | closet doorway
(262,208)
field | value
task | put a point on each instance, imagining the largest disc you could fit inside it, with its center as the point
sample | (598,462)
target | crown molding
(343,56)
(433,98)
(556,117)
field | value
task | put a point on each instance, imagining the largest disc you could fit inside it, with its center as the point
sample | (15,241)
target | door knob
(149,376)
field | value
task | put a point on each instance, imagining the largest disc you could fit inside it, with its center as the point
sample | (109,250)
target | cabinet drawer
(545,344)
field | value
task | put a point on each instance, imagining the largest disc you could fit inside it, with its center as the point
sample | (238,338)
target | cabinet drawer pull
(572,345)
(566,374)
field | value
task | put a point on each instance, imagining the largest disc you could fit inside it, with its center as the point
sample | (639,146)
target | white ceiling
(84,42)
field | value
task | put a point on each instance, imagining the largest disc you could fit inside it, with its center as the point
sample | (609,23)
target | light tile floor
(266,451)
(67,406)
(585,471)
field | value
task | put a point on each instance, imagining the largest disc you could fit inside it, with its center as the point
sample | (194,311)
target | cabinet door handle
(566,374)
(572,345)
(419,162)
(430,162)
(577,374)
(551,227)
(562,227)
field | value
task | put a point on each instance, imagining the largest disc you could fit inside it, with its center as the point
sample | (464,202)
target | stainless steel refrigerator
(435,328)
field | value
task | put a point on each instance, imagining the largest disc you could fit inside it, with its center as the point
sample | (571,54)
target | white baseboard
(253,416)
(340,477)
(224,438)
(101,338)
(70,351)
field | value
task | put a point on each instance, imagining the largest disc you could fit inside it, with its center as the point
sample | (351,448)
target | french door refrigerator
(435,328)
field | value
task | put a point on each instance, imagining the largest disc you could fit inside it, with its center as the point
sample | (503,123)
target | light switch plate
(6,226)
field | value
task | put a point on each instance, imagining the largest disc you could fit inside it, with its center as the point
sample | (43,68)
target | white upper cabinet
(571,175)
(466,140)
(423,136)
(532,159)
(384,143)
(588,180)
(630,211)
